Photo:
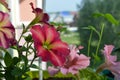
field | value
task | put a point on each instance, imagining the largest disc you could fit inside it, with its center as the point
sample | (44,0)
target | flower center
(46,46)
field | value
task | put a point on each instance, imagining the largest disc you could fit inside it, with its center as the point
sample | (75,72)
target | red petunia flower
(49,45)
(7,31)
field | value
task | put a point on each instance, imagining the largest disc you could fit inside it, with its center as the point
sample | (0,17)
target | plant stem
(32,61)
(100,38)
(91,33)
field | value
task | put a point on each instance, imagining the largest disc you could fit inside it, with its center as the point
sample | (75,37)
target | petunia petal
(8,32)
(45,17)
(4,20)
(109,59)
(50,33)
(43,53)
(56,60)
(73,52)
(83,60)
(37,34)
(115,69)
(52,71)
(61,47)
(73,70)
(64,70)
(108,49)
(3,41)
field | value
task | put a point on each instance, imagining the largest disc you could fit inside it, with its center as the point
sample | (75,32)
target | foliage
(96,13)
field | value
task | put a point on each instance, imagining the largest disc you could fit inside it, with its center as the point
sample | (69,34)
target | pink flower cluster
(74,63)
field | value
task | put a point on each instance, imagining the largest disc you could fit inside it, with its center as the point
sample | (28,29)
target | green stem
(20,37)
(90,38)
(28,47)
(34,56)
(35,20)
(100,38)
(32,61)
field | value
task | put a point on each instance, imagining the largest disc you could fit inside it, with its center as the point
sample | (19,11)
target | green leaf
(93,28)
(23,48)
(7,59)
(14,47)
(111,19)
(15,60)
(16,71)
(107,16)
(96,15)
(24,58)
(23,27)
(28,38)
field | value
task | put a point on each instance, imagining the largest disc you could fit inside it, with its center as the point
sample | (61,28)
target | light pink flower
(75,62)
(49,45)
(7,31)
(110,62)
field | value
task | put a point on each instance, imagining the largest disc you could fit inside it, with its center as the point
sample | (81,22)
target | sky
(61,5)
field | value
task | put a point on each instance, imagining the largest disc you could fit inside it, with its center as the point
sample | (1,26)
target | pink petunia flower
(110,62)
(40,15)
(4,3)
(75,62)
(52,70)
(7,31)
(49,45)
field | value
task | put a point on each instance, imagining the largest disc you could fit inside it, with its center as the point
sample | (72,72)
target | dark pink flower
(3,2)
(49,45)
(75,62)
(40,15)
(110,62)
(7,31)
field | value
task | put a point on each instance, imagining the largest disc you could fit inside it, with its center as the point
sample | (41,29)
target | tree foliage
(108,13)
